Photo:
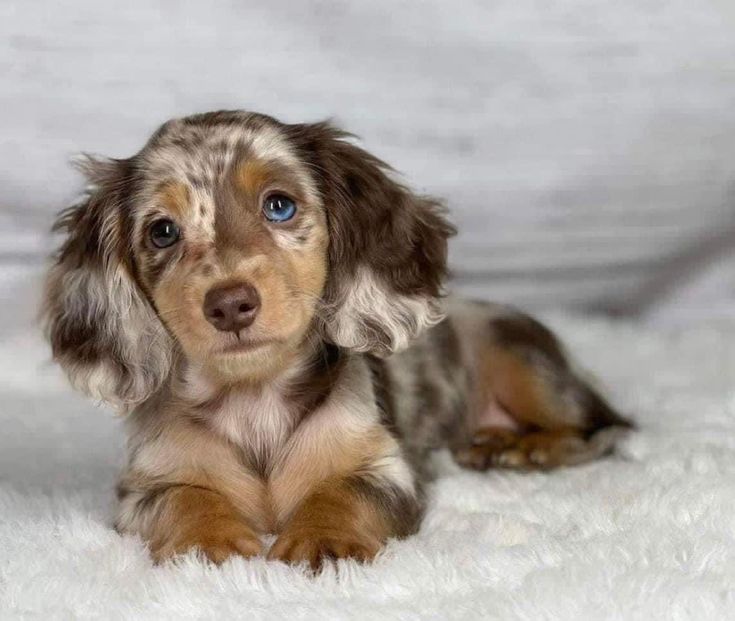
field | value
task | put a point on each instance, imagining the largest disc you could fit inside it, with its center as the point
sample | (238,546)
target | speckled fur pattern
(314,422)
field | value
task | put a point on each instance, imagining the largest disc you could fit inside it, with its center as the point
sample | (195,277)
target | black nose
(231,308)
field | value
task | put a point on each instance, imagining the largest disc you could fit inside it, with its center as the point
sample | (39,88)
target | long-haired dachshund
(265,302)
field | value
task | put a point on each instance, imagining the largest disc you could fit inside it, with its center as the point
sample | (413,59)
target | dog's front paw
(217,541)
(317,545)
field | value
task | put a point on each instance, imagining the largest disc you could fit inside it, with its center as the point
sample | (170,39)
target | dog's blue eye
(164,233)
(279,208)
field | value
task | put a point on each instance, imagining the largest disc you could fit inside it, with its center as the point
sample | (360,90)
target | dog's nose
(231,308)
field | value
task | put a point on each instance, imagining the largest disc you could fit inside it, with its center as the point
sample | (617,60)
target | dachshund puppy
(265,303)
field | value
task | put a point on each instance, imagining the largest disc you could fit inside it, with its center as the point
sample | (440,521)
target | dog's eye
(279,208)
(164,233)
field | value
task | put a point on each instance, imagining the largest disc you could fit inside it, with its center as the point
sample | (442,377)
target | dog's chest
(259,423)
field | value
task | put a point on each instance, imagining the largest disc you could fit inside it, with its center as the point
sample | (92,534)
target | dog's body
(266,302)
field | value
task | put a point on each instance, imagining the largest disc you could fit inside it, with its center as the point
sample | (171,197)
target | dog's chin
(248,361)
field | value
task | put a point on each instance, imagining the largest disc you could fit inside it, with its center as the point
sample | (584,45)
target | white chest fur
(266,424)
(259,421)
(256,419)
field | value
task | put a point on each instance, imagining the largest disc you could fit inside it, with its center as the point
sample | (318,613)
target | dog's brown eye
(164,233)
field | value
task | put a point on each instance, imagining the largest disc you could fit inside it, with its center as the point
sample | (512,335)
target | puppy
(264,301)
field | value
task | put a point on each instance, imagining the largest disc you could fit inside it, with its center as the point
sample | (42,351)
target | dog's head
(229,239)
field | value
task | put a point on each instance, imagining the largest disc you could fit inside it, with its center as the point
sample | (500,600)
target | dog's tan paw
(500,448)
(216,541)
(316,546)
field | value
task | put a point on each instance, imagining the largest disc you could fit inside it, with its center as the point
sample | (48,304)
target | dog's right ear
(102,329)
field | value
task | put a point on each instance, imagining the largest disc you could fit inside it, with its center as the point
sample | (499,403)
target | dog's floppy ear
(102,329)
(387,249)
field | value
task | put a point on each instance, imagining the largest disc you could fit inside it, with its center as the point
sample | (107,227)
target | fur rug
(645,534)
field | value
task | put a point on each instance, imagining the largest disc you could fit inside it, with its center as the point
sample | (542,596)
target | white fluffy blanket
(646,534)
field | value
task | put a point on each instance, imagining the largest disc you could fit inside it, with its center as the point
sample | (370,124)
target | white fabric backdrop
(585,146)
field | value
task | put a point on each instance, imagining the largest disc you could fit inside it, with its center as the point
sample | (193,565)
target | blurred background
(586,148)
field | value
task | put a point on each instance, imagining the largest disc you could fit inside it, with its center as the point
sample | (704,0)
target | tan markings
(191,517)
(180,452)
(175,198)
(289,276)
(253,176)
(313,457)
(523,391)
(289,283)
(543,450)
(334,522)
(341,437)
(256,175)
(282,321)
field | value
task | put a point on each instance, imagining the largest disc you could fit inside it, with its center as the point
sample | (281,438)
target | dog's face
(229,236)
(229,240)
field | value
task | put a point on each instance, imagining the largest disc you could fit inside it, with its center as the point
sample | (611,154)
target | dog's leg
(348,517)
(342,491)
(538,450)
(177,518)
(536,413)
(186,489)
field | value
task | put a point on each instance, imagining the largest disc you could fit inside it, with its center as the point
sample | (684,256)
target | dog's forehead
(201,154)
(189,167)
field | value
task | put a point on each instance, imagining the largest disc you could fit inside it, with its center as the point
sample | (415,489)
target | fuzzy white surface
(647,534)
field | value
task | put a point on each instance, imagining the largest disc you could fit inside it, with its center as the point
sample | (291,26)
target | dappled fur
(102,329)
(314,421)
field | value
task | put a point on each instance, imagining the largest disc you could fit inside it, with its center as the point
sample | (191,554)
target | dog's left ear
(387,249)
